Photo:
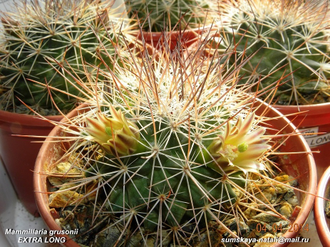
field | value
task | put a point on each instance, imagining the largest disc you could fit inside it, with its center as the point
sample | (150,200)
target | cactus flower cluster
(239,148)
(115,134)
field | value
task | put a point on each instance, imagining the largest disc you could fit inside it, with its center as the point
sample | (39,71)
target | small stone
(282,188)
(287,178)
(233,225)
(66,168)
(268,217)
(268,195)
(64,199)
(286,209)
(289,194)
(251,210)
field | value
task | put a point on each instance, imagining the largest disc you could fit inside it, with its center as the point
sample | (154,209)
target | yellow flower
(115,134)
(239,147)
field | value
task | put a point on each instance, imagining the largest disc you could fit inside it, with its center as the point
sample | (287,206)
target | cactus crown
(165,15)
(41,41)
(164,151)
(285,45)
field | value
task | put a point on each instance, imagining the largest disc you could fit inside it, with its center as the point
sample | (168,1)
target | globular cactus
(166,15)
(41,41)
(285,45)
(163,154)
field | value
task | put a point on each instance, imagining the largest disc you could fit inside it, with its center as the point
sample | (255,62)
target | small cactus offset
(166,15)
(163,158)
(285,44)
(41,41)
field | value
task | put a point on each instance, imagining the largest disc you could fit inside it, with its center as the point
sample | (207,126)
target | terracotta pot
(322,222)
(300,166)
(313,119)
(18,154)
(185,38)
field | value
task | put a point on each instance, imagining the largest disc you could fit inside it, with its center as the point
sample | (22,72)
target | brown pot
(18,154)
(321,220)
(300,166)
(183,38)
(313,119)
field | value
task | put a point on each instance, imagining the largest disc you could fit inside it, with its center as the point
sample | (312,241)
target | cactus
(166,15)
(162,156)
(41,41)
(285,46)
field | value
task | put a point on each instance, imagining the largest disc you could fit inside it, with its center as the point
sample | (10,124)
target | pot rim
(319,214)
(26,119)
(307,115)
(303,107)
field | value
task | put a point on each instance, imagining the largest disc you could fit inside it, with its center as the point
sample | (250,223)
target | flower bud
(239,147)
(115,134)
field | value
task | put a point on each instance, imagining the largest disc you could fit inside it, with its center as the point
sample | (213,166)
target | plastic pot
(300,165)
(314,120)
(321,220)
(18,154)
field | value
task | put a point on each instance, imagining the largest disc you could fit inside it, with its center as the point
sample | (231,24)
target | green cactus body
(164,183)
(159,162)
(285,44)
(165,15)
(45,47)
